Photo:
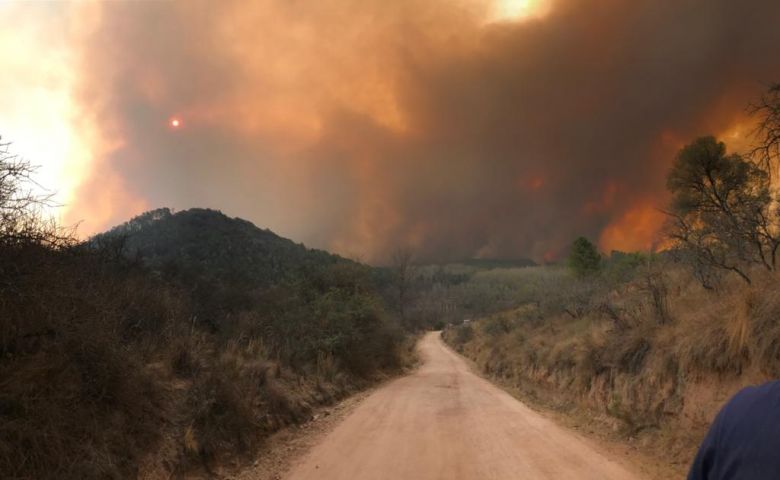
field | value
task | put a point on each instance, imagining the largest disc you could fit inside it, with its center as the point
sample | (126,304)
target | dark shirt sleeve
(703,466)
(742,443)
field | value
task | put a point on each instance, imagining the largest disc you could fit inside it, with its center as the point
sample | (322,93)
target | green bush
(584,259)
(496,325)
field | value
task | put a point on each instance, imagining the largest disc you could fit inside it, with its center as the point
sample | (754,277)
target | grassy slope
(655,383)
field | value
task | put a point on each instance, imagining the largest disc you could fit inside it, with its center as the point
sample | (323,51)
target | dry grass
(105,372)
(658,380)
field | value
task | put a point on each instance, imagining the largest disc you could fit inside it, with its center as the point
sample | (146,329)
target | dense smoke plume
(364,126)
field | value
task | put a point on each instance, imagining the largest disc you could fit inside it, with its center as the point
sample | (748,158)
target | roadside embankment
(623,369)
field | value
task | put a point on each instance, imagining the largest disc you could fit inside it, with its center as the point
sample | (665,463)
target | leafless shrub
(22,217)
(767,134)
(655,283)
(614,313)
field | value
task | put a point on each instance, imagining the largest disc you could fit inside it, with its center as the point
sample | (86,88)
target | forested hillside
(172,344)
(213,246)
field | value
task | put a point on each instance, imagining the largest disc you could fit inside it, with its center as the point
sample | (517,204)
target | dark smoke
(365,126)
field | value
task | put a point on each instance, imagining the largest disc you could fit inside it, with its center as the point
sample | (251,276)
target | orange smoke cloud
(368,126)
(637,229)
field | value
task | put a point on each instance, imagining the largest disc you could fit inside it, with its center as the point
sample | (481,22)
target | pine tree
(584,259)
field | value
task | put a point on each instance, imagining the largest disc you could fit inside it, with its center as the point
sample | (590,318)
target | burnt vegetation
(172,344)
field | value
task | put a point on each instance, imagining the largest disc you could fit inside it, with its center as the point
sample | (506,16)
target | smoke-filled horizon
(452,128)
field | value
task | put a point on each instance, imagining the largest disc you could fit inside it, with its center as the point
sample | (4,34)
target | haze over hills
(498,262)
(231,247)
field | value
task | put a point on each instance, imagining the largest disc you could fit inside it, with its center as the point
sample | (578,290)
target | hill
(174,344)
(214,246)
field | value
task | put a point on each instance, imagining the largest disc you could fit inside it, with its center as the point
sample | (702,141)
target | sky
(451,128)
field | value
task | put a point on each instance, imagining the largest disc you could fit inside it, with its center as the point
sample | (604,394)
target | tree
(22,220)
(767,135)
(584,259)
(721,210)
(403,273)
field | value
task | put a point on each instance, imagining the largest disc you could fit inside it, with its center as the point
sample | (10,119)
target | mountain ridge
(214,245)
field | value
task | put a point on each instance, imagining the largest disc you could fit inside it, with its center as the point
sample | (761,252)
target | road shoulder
(581,423)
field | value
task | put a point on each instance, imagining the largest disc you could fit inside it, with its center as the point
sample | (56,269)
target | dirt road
(444,422)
